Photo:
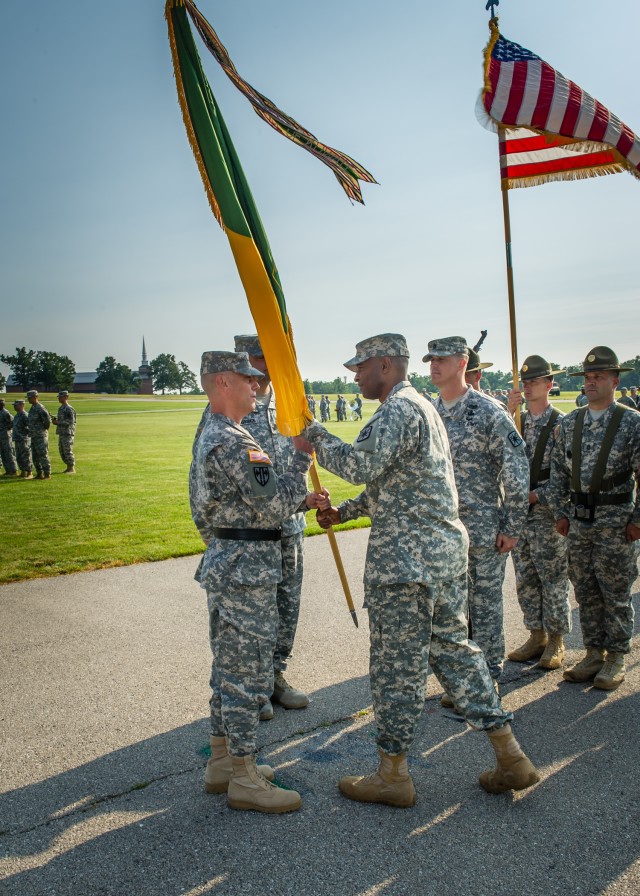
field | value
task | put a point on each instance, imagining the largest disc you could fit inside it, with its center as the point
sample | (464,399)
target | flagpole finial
(490,5)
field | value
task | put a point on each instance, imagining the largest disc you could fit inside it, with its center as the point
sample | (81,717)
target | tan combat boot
(40,475)
(248,789)
(266,712)
(391,784)
(70,469)
(514,771)
(553,655)
(286,695)
(587,668)
(533,647)
(611,675)
(218,771)
(26,475)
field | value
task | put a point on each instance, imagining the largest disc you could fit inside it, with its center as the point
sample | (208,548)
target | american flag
(550,129)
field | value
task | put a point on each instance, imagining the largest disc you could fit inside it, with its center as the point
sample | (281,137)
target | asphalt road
(103,728)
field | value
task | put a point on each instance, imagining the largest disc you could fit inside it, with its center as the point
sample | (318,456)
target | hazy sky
(106,234)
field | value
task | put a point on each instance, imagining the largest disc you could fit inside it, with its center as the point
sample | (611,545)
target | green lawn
(128,502)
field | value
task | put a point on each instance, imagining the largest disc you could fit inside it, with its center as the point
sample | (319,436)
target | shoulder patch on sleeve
(262,477)
(366,440)
(515,438)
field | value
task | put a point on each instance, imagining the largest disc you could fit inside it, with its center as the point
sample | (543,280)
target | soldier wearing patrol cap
(261,423)
(415,575)
(6,445)
(239,503)
(39,424)
(22,440)
(540,557)
(65,424)
(627,399)
(593,464)
(492,477)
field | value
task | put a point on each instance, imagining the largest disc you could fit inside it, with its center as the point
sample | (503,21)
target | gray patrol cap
(32,393)
(221,362)
(249,344)
(386,345)
(17,401)
(62,393)
(450,345)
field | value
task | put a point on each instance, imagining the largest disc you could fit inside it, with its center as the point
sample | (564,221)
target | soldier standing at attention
(627,400)
(634,396)
(66,428)
(239,504)
(593,464)
(6,444)
(492,477)
(21,439)
(415,575)
(473,372)
(39,423)
(581,399)
(540,557)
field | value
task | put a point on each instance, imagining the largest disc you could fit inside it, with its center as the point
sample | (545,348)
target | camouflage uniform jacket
(21,427)
(628,402)
(6,421)
(232,484)
(39,419)
(403,457)
(66,418)
(624,456)
(491,468)
(531,434)
(261,423)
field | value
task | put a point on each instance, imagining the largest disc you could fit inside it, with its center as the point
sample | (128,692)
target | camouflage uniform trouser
(486,615)
(411,626)
(23,454)
(242,635)
(540,561)
(40,452)
(7,454)
(602,567)
(65,447)
(288,598)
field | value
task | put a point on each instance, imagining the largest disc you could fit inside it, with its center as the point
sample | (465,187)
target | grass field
(128,502)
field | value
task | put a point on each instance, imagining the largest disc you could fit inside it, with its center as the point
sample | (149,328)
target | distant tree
(3,381)
(187,378)
(55,371)
(165,373)
(24,367)
(115,378)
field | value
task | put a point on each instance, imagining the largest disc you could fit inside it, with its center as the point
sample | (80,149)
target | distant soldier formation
(24,437)
(452,485)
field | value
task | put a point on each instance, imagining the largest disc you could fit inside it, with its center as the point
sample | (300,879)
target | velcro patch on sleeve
(366,440)
(259,457)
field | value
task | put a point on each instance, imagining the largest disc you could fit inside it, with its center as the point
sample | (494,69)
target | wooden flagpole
(510,287)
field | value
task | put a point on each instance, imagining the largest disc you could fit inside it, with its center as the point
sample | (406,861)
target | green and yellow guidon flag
(232,203)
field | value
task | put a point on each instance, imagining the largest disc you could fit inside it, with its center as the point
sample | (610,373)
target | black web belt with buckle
(249,534)
(585,503)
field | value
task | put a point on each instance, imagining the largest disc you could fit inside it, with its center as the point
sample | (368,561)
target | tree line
(51,372)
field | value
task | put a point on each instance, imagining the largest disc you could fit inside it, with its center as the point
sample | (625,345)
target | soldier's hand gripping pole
(315,479)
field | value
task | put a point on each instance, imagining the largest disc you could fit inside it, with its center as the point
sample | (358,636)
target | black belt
(585,499)
(249,534)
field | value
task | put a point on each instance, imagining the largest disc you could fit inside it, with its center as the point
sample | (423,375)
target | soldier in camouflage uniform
(593,464)
(473,372)
(540,557)
(627,400)
(6,444)
(21,439)
(239,503)
(261,423)
(39,423)
(492,477)
(415,575)
(66,428)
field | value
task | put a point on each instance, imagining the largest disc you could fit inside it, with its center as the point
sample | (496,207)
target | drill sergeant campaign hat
(221,362)
(249,344)
(386,345)
(450,345)
(600,358)
(474,363)
(535,366)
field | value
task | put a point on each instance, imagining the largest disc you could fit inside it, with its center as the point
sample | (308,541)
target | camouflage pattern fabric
(628,402)
(540,557)
(66,429)
(261,423)
(601,562)
(22,441)
(6,444)
(39,423)
(233,484)
(416,562)
(492,477)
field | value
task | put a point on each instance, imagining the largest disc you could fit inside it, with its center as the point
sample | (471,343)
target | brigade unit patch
(515,438)
(262,478)
(366,440)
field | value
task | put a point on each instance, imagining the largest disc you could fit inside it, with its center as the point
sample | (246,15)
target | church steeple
(144,372)
(144,361)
